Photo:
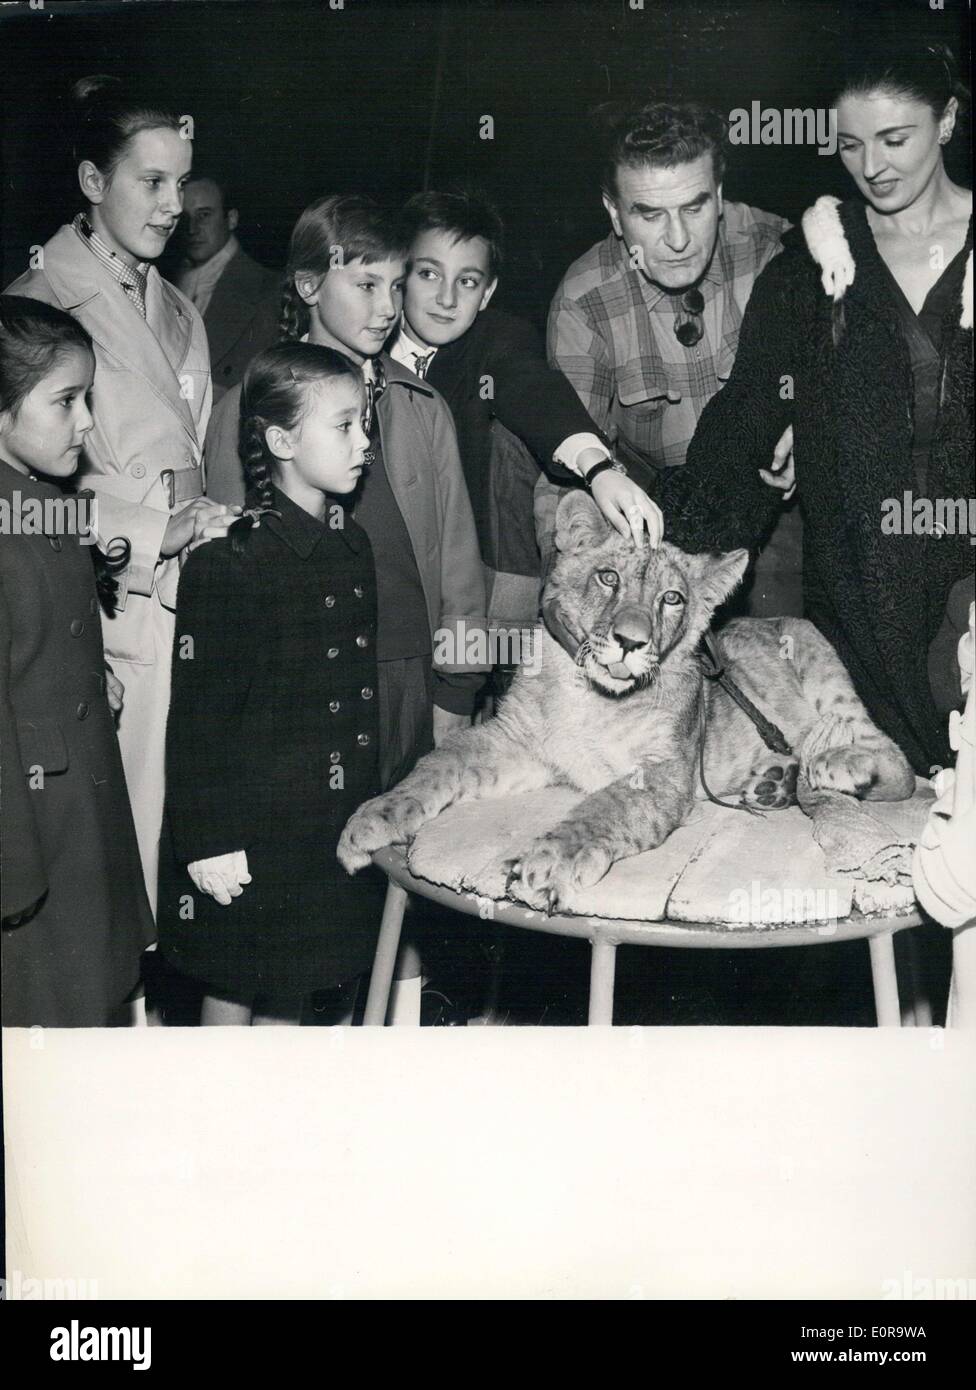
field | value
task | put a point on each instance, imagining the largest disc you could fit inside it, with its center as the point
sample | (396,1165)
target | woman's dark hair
(463,215)
(922,72)
(274,392)
(661,134)
(330,232)
(109,114)
(33,336)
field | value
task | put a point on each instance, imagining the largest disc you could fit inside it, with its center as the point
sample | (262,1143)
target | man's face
(448,286)
(668,219)
(206,223)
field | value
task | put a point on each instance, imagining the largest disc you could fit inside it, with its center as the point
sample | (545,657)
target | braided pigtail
(294,318)
(275,392)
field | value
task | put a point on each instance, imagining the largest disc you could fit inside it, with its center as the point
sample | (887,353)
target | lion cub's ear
(579,523)
(719,576)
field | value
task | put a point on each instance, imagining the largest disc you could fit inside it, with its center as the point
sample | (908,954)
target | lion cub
(621,721)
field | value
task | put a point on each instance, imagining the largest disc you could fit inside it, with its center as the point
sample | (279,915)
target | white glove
(222,877)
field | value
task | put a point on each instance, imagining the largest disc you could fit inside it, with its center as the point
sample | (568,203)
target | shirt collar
(120,270)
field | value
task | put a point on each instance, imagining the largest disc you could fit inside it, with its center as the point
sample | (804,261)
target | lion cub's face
(632,608)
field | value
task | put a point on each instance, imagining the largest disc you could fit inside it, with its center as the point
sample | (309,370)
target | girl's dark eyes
(608,577)
(672,597)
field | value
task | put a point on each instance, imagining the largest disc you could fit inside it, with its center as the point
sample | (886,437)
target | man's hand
(223,876)
(114,691)
(200,520)
(627,507)
(780,474)
(446,723)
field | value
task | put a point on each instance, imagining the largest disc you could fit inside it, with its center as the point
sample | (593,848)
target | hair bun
(88,89)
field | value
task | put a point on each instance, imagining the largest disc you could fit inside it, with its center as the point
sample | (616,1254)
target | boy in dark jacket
(491,369)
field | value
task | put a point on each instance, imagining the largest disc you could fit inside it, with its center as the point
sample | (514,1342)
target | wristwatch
(602,467)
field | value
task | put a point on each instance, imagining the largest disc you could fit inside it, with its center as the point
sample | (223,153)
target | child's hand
(222,876)
(114,691)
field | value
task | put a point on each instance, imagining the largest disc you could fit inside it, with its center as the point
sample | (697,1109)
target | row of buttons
(330,599)
(333,652)
(366,693)
(362,739)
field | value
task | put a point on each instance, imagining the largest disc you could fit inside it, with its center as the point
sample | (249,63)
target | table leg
(603,960)
(384,961)
(885,980)
(916,1010)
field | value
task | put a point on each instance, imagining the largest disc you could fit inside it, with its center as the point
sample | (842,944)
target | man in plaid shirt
(645,325)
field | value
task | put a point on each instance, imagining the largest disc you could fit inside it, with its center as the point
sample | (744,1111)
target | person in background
(272,740)
(76,918)
(869,311)
(646,323)
(237,297)
(491,369)
(142,456)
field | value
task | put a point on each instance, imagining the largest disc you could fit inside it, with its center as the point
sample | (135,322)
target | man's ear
(719,576)
(486,297)
(580,525)
(613,214)
(718,199)
(93,182)
(232,219)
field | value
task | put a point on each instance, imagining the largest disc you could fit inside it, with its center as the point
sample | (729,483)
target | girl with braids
(347,263)
(867,319)
(75,913)
(143,455)
(272,738)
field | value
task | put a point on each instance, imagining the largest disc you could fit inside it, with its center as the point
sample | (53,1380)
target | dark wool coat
(498,371)
(241,319)
(276,701)
(880,599)
(66,826)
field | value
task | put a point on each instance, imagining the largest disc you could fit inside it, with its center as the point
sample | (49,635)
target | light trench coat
(150,405)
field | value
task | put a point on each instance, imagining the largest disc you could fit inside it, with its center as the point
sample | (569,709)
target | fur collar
(828,245)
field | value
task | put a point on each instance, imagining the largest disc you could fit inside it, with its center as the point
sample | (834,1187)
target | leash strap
(771,735)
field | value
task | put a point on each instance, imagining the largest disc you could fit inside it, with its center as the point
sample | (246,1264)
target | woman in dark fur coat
(861,335)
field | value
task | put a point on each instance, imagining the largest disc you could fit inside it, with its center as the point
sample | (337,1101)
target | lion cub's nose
(631,628)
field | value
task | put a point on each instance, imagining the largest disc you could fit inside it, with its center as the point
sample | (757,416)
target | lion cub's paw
(386,820)
(551,869)
(852,770)
(772,786)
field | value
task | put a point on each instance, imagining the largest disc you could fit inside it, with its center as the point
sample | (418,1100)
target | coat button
(101,683)
(367,692)
(362,641)
(335,757)
(54,542)
(330,600)
(93,606)
(363,740)
(82,711)
(77,627)
(332,653)
(358,591)
(334,706)
(138,470)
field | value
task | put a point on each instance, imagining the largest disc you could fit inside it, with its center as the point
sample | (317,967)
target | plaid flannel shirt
(611,332)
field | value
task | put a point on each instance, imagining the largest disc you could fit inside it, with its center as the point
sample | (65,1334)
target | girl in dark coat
(75,914)
(272,737)
(861,335)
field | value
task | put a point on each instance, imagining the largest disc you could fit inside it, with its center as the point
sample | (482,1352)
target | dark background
(292,100)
